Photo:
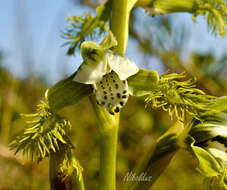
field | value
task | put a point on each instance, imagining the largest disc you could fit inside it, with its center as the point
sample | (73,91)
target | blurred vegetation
(138,129)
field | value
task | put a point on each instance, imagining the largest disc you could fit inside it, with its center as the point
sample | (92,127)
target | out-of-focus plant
(109,78)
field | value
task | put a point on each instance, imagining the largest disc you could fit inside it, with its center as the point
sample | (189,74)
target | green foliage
(45,133)
(211,167)
(66,93)
(87,25)
(215,12)
(177,97)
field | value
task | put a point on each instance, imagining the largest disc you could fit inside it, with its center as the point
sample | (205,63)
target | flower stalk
(119,22)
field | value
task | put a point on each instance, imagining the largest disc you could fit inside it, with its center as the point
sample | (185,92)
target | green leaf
(157,159)
(66,93)
(208,165)
(143,82)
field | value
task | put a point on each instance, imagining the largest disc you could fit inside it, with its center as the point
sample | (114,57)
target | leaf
(208,165)
(157,159)
(66,93)
(143,82)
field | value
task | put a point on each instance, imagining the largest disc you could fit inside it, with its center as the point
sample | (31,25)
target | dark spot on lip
(105,92)
(100,82)
(112,113)
(118,95)
(116,86)
(124,96)
(121,103)
(125,91)
(105,97)
(114,80)
(117,109)
(124,81)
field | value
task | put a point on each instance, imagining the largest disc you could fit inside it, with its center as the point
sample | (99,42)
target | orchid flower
(108,75)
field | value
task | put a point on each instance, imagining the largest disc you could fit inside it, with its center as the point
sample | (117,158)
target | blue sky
(38,25)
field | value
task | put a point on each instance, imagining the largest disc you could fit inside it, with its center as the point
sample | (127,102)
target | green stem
(108,125)
(119,22)
(119,25)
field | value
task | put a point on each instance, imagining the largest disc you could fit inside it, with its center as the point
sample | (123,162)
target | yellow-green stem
(119,25)
(108,125)
(119,22)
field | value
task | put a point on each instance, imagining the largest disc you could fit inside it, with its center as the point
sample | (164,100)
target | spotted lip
(111,92)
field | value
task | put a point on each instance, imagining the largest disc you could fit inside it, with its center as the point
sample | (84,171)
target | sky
(31,32)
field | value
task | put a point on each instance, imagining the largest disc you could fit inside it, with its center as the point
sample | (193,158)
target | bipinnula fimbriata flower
(108,74)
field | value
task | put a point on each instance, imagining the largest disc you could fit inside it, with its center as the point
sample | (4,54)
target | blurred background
(32,57)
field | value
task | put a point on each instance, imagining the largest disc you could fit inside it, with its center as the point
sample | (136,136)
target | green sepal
(66,93)
(143,82)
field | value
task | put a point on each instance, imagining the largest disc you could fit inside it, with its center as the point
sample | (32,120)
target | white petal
(123,66)
(91,71)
